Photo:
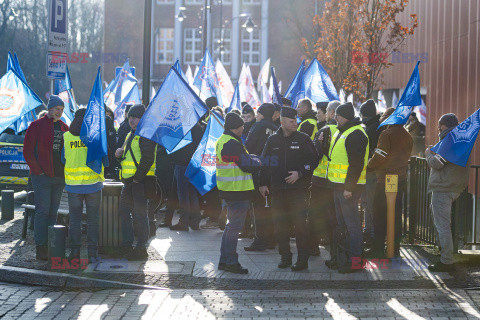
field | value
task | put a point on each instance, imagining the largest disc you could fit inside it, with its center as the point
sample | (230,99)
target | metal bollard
(391,189)
(56,241)
(8,204)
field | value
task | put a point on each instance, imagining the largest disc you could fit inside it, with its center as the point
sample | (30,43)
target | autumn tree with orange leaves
(356,38)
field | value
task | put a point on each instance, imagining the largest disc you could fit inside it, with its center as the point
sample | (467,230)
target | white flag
(394,100)
(266,97)
(280,86)
(421,112)
(247,88)
(263,75)
(382,104)
(270,88)
(189,76)
(225,84)
(342,96)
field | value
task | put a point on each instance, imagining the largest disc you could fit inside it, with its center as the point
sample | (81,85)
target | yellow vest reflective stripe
(128,165)
(76,170)
(229,175)
(321,170)
(338,166)
(312,122)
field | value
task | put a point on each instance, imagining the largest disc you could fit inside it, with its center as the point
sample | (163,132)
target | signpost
(391,189)
(57,40)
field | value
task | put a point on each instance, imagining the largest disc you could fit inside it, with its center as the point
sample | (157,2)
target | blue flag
(10,62)
(172,113)
(236,103)
(201,170)
(185,142)
(179,70)
(63,84)
(132,98)
(276,96)
(318,85)
(94,133)
(18,69)
(70,106)
(410,98)
(458,143)
(206,79)
(16,99)
(294,84)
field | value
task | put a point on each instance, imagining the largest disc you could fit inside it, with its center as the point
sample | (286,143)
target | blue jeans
(134,203)
(187,198)
(236,213)
(48,193)
(75,205)
(348,216)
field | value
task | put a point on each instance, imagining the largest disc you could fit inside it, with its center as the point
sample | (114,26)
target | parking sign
(57,39)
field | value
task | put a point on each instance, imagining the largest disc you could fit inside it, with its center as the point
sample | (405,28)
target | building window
(195,2)
(228,2)
(217,41)
(251,2)
(164,46)
(165,1)
(192,46)
(251,47)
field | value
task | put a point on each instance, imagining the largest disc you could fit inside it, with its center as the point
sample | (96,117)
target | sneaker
(210,223)
(195,226)
(137,254)
(42,253)
(441,267)
(235,268)
(179,227)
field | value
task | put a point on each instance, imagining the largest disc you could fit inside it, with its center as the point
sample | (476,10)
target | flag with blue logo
(172,113)
(63,89)
(458,143)
(62,85)
(185,142)
(236,103)
(10,62)
(16,100)
(201,170)
(410,98)
(179,69)
(94,132)
(206,79)
(276,96)
(295,81)
(318,85)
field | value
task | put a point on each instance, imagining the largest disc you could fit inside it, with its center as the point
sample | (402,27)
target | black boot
(235,268)
(302,263)
(286,261)
(42,253)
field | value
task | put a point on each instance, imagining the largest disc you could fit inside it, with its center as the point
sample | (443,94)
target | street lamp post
(249,26)
(147,35)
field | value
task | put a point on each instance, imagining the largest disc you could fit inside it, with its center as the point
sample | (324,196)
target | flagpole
(215,117)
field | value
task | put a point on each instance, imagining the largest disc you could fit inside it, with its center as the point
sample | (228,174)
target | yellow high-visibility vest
(76,170)
(312,122)
(229,175)
(321,170)
(128,165)
(338,166)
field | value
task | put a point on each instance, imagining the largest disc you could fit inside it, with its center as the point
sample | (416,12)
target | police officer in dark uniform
(256,140)
(290,158)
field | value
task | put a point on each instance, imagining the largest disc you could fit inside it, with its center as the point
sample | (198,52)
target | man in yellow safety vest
(308,118)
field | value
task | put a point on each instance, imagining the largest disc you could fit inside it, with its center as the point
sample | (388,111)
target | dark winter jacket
(356,146)
(122,133)
(371,126)
(322,149)
(258,136)
(147,149)
(283,154)
(307,127)
(246,129)
(183,156)
(392,153)
(38,146)
(235,150)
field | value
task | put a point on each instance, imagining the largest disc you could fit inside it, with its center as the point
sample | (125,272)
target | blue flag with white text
(16,100)
(318,85)
(201,170)
(276,96)
(94,132)
(410,98)
(172,113)
(206,79)
(458,143)
(236,103)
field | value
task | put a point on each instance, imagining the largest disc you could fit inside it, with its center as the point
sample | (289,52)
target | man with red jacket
(43,152)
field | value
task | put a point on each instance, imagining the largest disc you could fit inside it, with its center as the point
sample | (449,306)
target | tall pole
(209,25)
(147,35)
(204,27)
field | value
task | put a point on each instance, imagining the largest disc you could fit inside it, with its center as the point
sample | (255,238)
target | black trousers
(380,216)
(321,215)
(262,221)
(290,207)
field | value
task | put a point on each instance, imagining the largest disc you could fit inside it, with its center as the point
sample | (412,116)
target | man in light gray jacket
(446,182)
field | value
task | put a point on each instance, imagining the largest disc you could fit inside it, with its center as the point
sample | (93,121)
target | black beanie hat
(346,110)
(322,106)
(247,109)
(288,112)
(211,102)
(277,107)
(450,120)
(80,113)
(368,109)
(233,121)
(267,110)
(286,102)
(136,111)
